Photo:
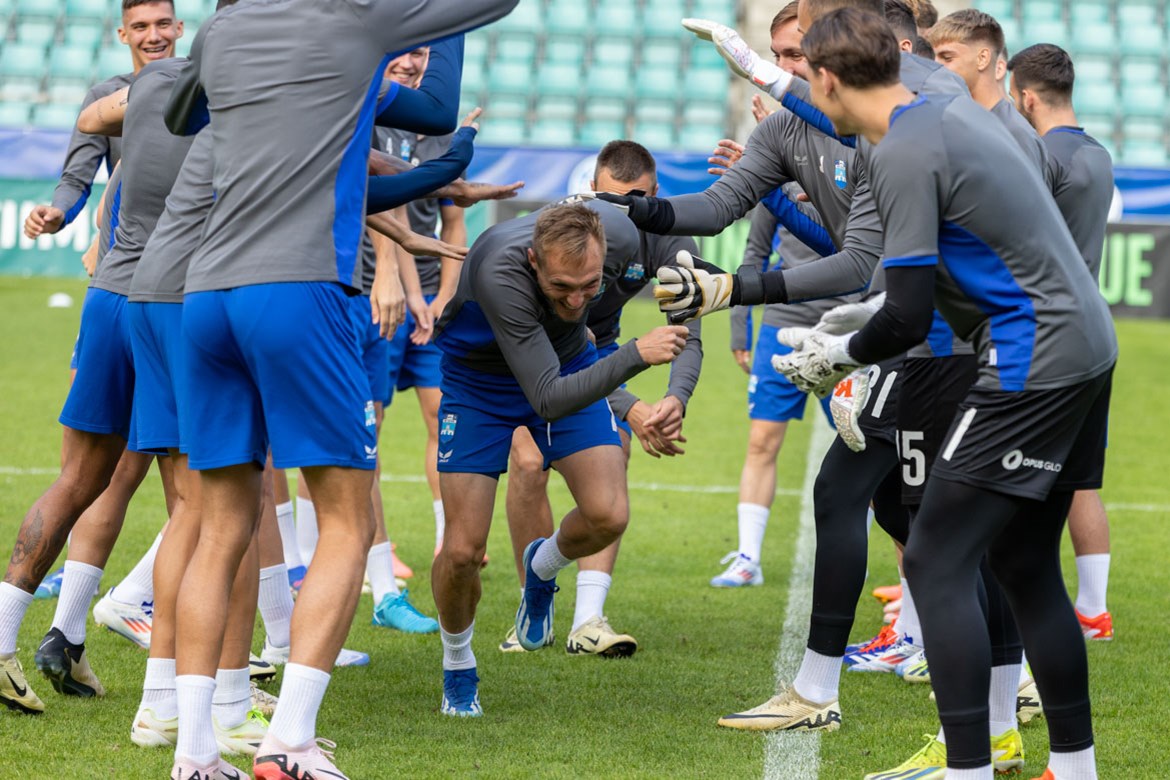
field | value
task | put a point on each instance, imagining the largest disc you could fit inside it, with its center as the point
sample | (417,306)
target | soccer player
(772,400)
(515,353)
(303,390)
(414,358)
(96,419)
(1042,86)
(1031,431)
(621,167)
(150,29)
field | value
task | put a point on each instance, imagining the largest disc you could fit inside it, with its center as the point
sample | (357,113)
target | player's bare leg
(526,499)
(1088,527)
(757,490)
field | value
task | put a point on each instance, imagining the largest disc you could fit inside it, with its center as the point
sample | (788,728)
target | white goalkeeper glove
(850,317)
(685,293)
(818,360)
(742,59)
(849,397)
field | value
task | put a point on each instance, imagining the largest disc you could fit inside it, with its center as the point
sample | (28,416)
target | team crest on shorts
(839,176)
(447,427)
(371,418)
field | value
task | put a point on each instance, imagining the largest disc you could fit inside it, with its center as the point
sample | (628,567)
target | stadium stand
(575,72)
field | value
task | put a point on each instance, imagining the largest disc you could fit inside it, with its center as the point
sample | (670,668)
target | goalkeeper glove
(686,292)
(848,402)
(850,317)
(654,215)
(818,363)
(742,59)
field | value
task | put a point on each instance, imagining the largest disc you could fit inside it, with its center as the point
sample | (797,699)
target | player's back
(151,161)
(1086,191)
(292,95)
(1011,278)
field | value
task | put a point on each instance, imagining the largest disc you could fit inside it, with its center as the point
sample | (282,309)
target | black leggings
(1006,646)
(957,525)
(845,485)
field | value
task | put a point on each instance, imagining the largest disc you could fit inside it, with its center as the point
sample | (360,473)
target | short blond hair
(569,228)
(968,26)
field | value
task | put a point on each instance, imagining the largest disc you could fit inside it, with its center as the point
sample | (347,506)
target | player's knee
(527,465)
(463,556)
(607,515)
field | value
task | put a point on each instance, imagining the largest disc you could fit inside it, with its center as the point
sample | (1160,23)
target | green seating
(1045,31)
(1144,153)
(664,85)
(39,32)
(43,9)
(711,85)
(614,51)
(65,93)
(14,113)
(510,77)
(1000,9)
(1089,12)
(515,48)
(700,137)
(112,61)
(605,109)
(565,50)
(71,62)
(525,18)
(568,19)
(20,89)
(616,17)
(1095,98)
(1140,71)
(502,132)
(605,81)
(507,107)
(1094,68)
(654,112)
(83,33)
(552,132)
(1093,40)
(1144,100)
(1144,39)
(1041,10)
(661,55)
(654,137)
(52,115)
(556,79)
(597,134)
(22,59)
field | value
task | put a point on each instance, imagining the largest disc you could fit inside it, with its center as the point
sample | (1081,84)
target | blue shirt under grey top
(86,152)
(292,90)
(500,323)
(955,190)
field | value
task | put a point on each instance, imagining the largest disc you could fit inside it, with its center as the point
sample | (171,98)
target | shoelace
(325,747)
(884,637)
(731,556)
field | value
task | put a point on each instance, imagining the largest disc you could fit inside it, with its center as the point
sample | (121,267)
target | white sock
(457,649)
(440,521)
(1025,675)
(753,521)
(78,587)
(306,529)
(233,697)
(158,689)
(13,604)
(1092,582)
(287,525)
(982,773)
(1001,699)
(1080,765)
(196,734)
(907,624)
(380,570)
(276,604)
(592,588)
(942,736)
(819,677)
(138,586)
(295,721)
(548,560)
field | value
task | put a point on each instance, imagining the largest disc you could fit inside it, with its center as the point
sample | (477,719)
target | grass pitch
(703,652)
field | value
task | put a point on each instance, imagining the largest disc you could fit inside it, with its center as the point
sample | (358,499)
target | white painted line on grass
(797,755)
(652,487)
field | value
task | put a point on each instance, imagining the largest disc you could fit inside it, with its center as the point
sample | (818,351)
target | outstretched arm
(433,108)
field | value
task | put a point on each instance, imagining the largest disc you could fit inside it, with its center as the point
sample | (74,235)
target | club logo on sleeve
(371,418)
(839,176)
(635,272)
(1015,460)
(447,428)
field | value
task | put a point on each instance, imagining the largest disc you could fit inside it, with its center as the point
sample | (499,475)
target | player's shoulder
(169,67)
(108,87)
(924,76)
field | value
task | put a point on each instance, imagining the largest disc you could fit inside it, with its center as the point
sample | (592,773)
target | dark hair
(785,15)
(128,4)
(625,160)
(923,48)
(856,46)
(1045,69)
(925,14)
(225,3)
(901,18)
(818,8)
(968,26)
